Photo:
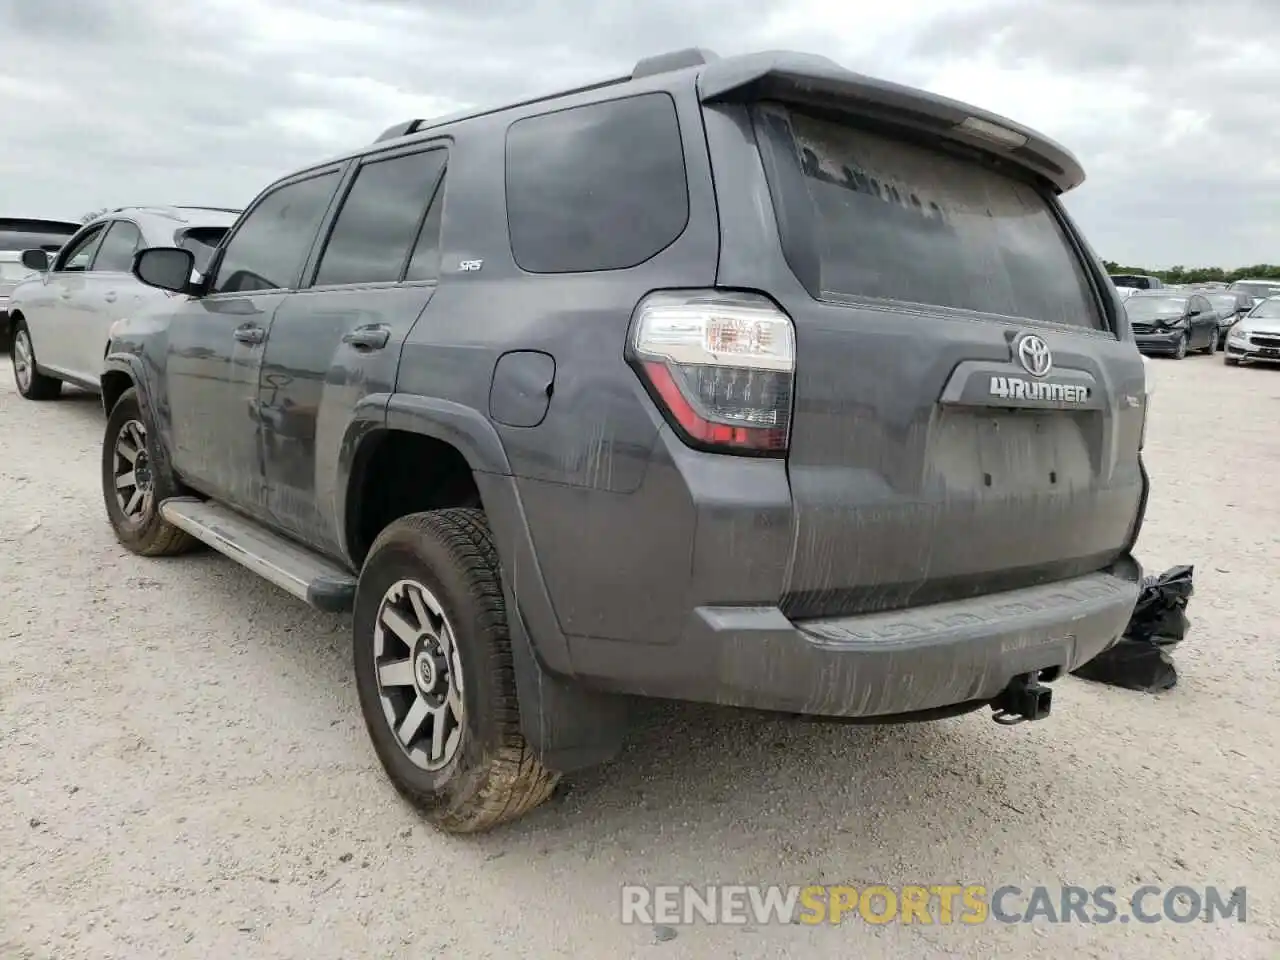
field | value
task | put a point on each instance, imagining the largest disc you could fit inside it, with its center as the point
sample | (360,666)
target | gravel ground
(184,770)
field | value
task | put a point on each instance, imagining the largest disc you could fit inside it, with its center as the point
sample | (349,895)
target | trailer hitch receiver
(1025,698)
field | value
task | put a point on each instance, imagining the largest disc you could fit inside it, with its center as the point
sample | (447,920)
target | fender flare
(568,725)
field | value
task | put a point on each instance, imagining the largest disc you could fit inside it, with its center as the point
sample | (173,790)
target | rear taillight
(720,365)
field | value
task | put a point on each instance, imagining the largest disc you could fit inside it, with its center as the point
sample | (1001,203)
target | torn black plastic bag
(1140,660)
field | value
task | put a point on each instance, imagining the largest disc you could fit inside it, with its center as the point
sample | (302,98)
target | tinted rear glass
(901,222)
(30,234)
(598,187)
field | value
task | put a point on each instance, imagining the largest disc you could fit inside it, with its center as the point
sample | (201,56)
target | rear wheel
(435,676)
(31,383)
(135,483)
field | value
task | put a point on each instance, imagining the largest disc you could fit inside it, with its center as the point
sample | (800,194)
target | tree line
(1181,274)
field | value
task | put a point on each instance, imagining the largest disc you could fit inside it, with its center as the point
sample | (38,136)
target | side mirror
(1193,312)
(35,260)
(167,268)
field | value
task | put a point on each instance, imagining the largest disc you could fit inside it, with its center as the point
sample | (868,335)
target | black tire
(1181,352)
(31,383)
(492,775)
(1231,361)
(145,533)
(1212,347)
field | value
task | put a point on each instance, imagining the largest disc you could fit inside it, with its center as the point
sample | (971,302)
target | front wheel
(1212,347)
(135,483)
(435,677)
(1231,361)
(31,383)
(1180,352)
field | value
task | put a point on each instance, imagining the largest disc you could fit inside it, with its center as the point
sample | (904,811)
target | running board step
(292,568)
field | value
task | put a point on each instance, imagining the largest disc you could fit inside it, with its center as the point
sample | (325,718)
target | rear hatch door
(965,419)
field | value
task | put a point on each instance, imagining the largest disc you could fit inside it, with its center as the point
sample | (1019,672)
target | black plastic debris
(1140,660)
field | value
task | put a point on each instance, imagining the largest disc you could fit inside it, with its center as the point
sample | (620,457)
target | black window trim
(344,191)
(797,232)
(64,254)
(215,263)
(140,245)
(598,102)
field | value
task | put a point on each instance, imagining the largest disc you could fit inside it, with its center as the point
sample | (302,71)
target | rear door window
(598,187)
(902,222)
(380,219)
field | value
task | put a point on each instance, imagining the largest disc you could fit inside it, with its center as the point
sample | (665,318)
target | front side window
(268,249)
(118,247)
(379,219)
(76,258)
(902,222)
(598,187)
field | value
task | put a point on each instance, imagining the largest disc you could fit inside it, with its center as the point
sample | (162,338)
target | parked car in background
(1126,292)
(1230,307)
(59,319)
(1256,336)
(1172,324)
(434,381)
(1257,289)
(1136,280)
(16,235)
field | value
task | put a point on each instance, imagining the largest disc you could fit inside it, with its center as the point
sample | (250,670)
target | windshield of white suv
(1266,310)
(1257,289)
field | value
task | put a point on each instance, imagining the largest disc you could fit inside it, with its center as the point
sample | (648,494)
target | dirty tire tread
(516,781)
(163,539)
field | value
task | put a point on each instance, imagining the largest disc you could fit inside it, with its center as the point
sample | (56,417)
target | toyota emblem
(1034,355)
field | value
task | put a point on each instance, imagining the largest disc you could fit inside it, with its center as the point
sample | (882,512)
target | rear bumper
(902,662)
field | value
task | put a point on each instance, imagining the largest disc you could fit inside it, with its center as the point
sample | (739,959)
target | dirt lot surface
(184,771)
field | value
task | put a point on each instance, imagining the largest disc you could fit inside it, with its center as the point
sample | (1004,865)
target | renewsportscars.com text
(940,904)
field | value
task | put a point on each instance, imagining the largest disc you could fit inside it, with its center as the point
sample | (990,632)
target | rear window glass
(600,187)
(901,222)
(30,234)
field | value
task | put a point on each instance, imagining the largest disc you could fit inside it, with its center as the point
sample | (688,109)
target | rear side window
(380,219)
(901,222)
(268,249)
(599,187)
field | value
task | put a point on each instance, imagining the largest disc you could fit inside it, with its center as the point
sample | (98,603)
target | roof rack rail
(646,67)
(173,209)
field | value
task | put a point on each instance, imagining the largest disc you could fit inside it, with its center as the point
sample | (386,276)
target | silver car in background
(1256,336)
(59,319)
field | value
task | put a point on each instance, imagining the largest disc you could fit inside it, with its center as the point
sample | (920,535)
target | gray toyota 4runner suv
(751,381)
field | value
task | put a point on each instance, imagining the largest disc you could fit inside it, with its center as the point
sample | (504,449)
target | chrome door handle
(250,334)
(367,338)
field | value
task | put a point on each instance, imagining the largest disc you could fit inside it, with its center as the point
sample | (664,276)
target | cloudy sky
(1172,105)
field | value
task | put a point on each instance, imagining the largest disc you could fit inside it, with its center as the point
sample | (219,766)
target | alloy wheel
(419,674)
(23,366)
(131,467)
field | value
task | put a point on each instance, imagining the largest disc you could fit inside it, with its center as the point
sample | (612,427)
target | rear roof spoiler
(799,77)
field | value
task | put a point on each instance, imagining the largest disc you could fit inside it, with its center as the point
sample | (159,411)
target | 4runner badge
(1018,388)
